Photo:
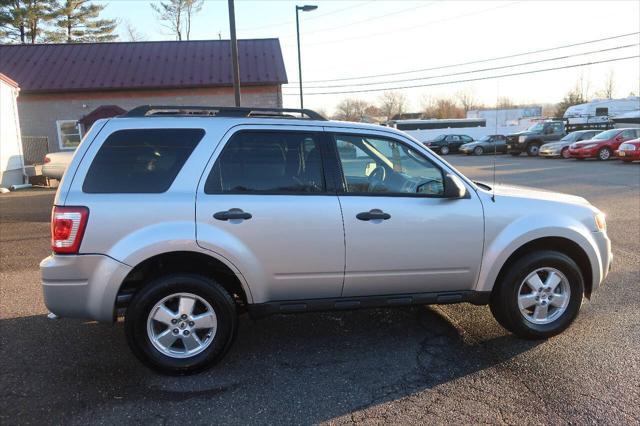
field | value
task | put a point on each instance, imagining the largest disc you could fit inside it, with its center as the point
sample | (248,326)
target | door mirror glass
(453,187)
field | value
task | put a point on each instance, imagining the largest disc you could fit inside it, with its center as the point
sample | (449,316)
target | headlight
(627,147)
(601,223)
(590,145)
(522,138)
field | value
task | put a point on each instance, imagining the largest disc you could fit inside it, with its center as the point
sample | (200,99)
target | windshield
(606,135)
(484,139)
(571,137)
(536,128)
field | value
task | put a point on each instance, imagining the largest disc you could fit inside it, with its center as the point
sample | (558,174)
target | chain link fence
(34,148)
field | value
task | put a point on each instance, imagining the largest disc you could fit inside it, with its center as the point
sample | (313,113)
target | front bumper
(549,153)
(606,258)
(583,153)
(82,286)
(628,155)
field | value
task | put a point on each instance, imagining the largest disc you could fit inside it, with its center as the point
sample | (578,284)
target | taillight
(47,159)
(67,228)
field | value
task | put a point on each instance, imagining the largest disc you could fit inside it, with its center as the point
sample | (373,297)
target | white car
(56,163)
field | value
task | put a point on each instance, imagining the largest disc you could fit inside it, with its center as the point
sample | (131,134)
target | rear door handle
(232,214)
(373,215)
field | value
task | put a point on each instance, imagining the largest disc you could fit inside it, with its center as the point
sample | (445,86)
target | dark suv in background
(534,137)
(444,144)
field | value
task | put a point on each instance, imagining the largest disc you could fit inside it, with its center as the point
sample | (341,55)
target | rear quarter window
(140,160)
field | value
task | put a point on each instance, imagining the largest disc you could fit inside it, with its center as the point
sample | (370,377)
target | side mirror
(453,187)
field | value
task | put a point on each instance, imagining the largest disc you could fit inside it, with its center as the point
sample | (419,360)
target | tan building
(66,87)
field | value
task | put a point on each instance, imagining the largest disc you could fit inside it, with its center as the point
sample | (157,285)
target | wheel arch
(183,261)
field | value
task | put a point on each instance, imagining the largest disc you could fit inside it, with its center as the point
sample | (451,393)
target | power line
(470,79)
(515,55)
(474,71)
(386,33)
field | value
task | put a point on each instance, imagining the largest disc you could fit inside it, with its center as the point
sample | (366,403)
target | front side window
(69,134)
(140,161)
(387,167)
(628,134)
(270,162)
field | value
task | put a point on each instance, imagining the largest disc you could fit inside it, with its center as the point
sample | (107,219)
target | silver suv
(182,218)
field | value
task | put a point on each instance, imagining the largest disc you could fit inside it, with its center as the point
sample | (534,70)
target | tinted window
(387,167)
(466,138)
(269,162)
(140,161)
(628,134)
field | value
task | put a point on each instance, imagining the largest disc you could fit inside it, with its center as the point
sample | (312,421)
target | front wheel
(539,296)
(444,150)
(532,149)
(478,150)
(181,324)
(565,153)
(604,154)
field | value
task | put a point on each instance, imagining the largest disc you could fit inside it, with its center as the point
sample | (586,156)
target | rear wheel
(565,153)
(478,150)
(539,295)
(532,149)
(604,154)
(181,324)
(444,150)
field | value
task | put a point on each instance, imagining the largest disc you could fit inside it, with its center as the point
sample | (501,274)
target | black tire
(533,149)
(515,154)
(604,154)
(478,150)
(564,153)
(444,150)
(142,303)
(504,299)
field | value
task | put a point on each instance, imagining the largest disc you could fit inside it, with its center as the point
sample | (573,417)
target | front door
(265,206)
(401,235)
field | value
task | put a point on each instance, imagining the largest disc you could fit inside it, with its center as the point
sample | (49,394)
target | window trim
(322,143)
(59,132)
(340,178)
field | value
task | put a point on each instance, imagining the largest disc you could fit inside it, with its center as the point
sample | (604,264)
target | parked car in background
(396,226)
(56,163)
(603,145)
(629,151)
(561,147)
(444,144)
(489,143)
(534,137)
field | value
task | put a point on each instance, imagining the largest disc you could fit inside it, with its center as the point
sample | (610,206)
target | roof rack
(222,111)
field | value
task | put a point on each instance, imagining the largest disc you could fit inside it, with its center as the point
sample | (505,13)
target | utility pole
(234,53)
(305,8)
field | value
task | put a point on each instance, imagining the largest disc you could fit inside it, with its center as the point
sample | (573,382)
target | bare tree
(192,7)
(442,107)
(351,109)
(467,99)
(170,13)
(132,33)
(392,103)
(609,86)
(505,102)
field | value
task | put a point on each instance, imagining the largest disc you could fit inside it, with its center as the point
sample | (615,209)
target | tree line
(78,21)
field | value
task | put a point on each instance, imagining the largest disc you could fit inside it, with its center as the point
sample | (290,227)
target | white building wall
(11,159)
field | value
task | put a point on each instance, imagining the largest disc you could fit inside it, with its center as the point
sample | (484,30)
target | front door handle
(373,215)
(232,214)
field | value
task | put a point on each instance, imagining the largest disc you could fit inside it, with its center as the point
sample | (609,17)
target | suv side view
(182,218)
(534,137)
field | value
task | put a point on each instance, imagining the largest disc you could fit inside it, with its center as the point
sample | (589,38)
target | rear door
(264,203)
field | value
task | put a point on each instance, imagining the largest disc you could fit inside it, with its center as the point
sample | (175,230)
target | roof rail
(221,111)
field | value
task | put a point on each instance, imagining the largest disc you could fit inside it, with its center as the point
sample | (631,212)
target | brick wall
(39,113)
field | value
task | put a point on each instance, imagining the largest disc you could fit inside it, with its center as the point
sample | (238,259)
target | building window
(69,134)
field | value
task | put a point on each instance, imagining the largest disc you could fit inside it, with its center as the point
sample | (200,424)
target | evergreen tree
(79,21)
(21,20)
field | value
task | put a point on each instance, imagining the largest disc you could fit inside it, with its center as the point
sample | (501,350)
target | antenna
(495,145)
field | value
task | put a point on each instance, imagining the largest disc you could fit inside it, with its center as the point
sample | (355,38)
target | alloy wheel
(604,154)
(543,296)
(182,325)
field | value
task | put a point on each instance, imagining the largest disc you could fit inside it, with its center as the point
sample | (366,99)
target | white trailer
(601,110)
(12,170)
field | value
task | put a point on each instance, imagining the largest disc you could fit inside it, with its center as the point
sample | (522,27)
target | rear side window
(140,161)
(268,162)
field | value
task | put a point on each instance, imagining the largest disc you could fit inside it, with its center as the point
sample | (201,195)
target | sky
(346,39)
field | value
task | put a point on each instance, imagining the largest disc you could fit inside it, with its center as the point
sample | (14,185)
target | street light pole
(234,53)
(305,8)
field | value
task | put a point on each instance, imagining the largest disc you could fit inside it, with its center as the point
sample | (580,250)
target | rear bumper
(82,286)
(53,171)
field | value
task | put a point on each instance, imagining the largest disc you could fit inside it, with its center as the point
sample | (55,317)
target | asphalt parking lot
(451,364)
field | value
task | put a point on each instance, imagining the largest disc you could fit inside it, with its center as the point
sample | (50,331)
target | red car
(629,151)
(603,145)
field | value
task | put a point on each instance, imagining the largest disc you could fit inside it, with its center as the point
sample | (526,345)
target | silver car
(182,218)
(561,147)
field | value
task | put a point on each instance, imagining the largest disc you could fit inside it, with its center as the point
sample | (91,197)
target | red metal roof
(46,68)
